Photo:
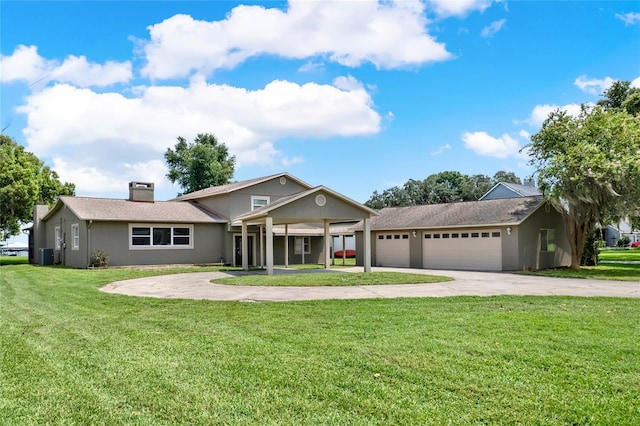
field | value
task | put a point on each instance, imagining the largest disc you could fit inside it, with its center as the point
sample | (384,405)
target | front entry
(238,249)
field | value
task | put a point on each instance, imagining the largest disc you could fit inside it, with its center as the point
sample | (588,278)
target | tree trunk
(578,225)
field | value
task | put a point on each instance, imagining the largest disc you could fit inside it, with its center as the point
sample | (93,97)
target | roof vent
(141,191)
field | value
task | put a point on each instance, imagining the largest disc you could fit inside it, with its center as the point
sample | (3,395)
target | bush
(623,242)
(99,259)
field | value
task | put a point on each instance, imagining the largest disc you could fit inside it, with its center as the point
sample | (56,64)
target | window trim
(57,238)
(75,236)
(255,198)
(307,247)
(547,242)
(171,246)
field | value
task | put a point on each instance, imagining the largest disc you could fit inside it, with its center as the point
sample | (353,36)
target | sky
(357,96)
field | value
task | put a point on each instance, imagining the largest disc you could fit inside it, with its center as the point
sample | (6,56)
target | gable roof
(236,186)
(264,210)
(506,211)
(517,189)
(108,209)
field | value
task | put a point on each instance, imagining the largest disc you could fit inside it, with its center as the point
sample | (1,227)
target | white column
(367,244)
(344,250)
(261,247)
(286,246)
(269,245)
(245,249)
(327,245)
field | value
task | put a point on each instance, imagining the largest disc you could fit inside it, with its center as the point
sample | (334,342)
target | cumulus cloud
(488,146)
(386,34)
(26,65)
(459,8)
(636,83)
(593,86)
(541,112)
(94,131)
(493,28)
(631,18)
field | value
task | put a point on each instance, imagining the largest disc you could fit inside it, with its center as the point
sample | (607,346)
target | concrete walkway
(198,285)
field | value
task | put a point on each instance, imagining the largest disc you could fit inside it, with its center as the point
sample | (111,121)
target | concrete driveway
(198,285)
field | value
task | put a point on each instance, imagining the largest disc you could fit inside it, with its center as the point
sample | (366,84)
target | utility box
(46,256)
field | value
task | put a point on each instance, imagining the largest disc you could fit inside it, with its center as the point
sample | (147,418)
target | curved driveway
(197,285)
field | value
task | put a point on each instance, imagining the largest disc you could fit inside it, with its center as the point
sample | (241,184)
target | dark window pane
(140,231)
(427,236)
(161,236)
(485,235)
(181,231)
(495,234)
(455,235)
(445,235)
(140,241)
(474,235)
(465,235)
(181,241)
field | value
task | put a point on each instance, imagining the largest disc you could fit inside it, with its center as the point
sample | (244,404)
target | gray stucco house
(281,220)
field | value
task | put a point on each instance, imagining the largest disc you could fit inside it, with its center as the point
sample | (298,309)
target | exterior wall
(219,204)
(113,238)
(66,254)
(38,233)
(415,247)
(307,208)
(316,255)
(240,201)
(529,255)
(510,251)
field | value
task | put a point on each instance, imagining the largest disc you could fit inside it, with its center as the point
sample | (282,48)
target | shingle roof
(517,189)
(507,211)
(235,186)
(107,209)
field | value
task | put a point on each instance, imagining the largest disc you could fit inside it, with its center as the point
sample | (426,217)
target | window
(303,242)
(396,237)
(405,236)
(58,238)
(258,201)
(547,240)
(427,236)
(381,237)
(474,235)
(485,235)
(495,234)
(455,235)
(465,235)
(75,237)
(445,235)
(389,237)
(436,235)
(160,236)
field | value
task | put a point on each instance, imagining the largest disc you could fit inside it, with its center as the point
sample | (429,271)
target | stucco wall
(529,254)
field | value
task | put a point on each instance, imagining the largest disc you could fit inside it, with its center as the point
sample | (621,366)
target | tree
(24,181)
(201,164)
(588,167)
(507,177)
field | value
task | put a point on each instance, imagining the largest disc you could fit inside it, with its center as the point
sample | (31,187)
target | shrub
(99,259)
(623,242)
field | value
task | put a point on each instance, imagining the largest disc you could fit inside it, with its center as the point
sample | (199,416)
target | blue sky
(357,96)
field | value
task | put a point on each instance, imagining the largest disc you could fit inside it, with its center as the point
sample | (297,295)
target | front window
(303,243)
(258,201)
(160,236)
(58,238)
(547,240)
(75,237)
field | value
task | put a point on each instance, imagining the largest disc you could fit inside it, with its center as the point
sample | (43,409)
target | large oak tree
(24,181)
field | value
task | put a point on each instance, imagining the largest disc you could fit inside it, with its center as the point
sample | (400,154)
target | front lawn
(621,255)
(70,354)
(603,271)
(332,279)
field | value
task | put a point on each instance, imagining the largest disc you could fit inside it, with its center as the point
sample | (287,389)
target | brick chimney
(141,191)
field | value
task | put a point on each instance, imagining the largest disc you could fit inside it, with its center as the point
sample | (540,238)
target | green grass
(624,255)
(13,260)
(603,271)
(73,355)
(332,279)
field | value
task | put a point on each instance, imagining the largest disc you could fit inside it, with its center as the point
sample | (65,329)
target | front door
(238,248)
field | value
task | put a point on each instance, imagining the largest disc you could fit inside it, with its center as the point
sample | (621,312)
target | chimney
(141,191)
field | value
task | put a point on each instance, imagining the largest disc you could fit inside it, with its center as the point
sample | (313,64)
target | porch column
(327,245)
(245,247)
(286,245)
(344,250)
(367,244)
(269,245)
(261,247)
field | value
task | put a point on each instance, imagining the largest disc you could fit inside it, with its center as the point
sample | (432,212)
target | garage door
(463,249)
(392,249)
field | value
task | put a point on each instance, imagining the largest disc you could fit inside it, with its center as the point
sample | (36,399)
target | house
(281,220)
(242,223)
(511,190)
(493,235)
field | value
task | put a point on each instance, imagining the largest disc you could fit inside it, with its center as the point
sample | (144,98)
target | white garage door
(463,249)
(392,249)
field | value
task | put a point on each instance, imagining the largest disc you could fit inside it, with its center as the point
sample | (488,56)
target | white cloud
(541,112)
(440,150)
(636,83)
(93,131)
(593,86)
(459,8)
(630,18)
(312,67)
(26,65)
(488,146)
(493,28)
(386,34)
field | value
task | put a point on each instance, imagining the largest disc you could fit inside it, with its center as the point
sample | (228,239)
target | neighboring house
(612,233)
(511,190)
(243,223)
(493,235)
(282,220)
